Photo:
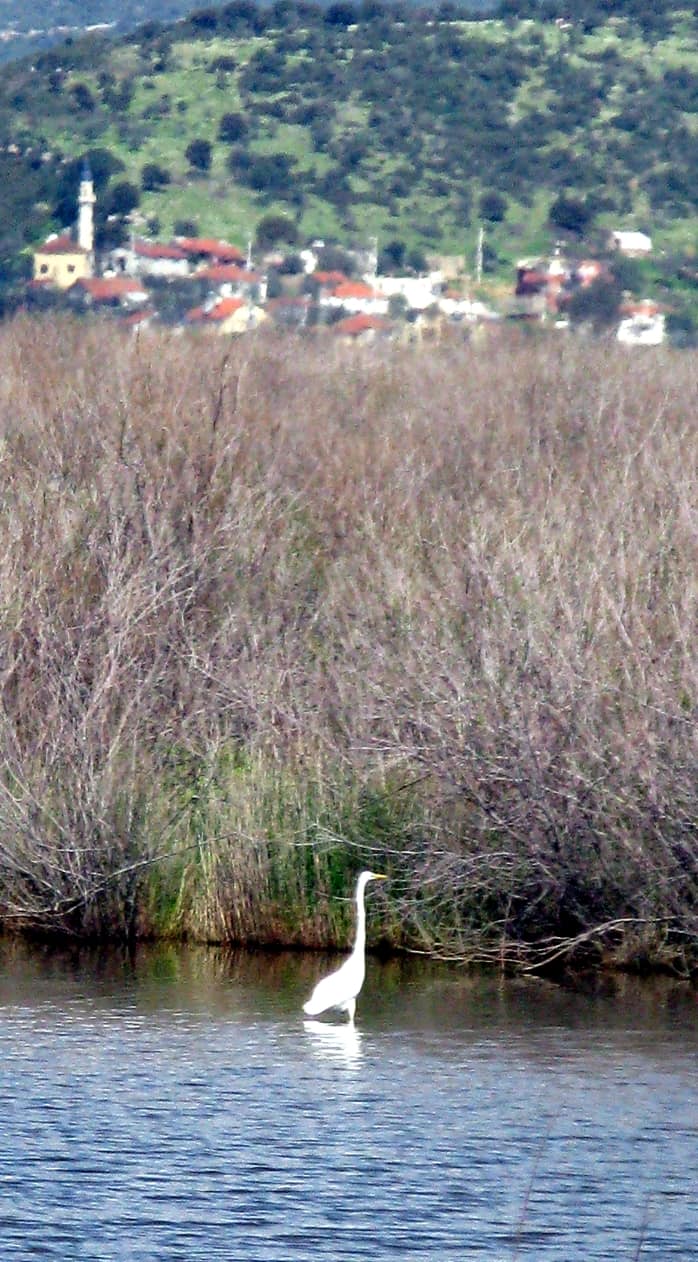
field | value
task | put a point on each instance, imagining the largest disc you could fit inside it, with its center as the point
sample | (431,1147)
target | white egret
(340,989)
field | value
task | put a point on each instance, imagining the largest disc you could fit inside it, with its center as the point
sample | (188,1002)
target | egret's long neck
(360,943)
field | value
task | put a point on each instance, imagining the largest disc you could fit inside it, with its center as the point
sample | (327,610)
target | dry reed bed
(269,613)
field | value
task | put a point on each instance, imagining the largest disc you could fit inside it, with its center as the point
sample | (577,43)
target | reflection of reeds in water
(335,1041)
(289,618)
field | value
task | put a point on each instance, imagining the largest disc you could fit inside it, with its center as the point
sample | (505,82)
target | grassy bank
(268,616)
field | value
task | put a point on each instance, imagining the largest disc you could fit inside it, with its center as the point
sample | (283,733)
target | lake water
(177,1106)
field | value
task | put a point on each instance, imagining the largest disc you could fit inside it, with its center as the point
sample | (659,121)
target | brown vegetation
(267,614)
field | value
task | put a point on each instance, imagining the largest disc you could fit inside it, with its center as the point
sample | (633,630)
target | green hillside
(394,125)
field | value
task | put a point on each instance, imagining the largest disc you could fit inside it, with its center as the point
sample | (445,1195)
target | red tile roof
(531,281)
(194,314)
(355,289)
(354,325)
(330,278)
(158,250)
(220,311)
(61,245)
(226,307)
(219,273)
(207,246)
(642,307)
(110,288)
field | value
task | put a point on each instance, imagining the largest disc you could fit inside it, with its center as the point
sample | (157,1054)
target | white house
(643,324)
(419,292)
(642,330)
(356,298)
(469,310)
(150,258)
(634,244)
(310,256)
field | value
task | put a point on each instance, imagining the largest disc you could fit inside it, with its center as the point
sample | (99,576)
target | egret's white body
(340,989)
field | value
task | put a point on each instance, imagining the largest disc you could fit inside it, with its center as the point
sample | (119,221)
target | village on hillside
(197,283)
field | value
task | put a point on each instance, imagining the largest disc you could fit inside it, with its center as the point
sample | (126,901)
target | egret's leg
(351,1009)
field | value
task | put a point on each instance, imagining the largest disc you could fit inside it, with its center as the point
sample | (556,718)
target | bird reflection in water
(339,1043)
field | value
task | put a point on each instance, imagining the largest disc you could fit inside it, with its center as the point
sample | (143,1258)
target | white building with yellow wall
(60,261)
(64,258)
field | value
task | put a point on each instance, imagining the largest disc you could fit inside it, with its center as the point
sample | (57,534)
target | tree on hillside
(233,128)
(264,71)
(492,206)
(571,214)
(629,273)
(153,177)
(291,265)
(198,154)
(334,187)
(332,258)
(123,198)
(274,229)
(83,98)
(597,304)
(392,257)
(681,328)
(274,283)
(224,64)
(321,133)
(110,233)
(117,97)
(240,17)
(416,260)
(204,20)
(341,13)
(238,162)
(270,173)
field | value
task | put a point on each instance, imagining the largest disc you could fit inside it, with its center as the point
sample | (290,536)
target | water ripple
(205,1120)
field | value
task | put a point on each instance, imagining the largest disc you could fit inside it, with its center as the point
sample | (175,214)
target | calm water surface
(178,1107)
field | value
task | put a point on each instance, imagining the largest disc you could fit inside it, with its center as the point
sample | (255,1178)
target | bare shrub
(269,612)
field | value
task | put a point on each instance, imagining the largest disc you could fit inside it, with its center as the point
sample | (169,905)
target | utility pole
(372,258)
(478,254)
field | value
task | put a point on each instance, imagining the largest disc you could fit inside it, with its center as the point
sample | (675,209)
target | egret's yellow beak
(379,876)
